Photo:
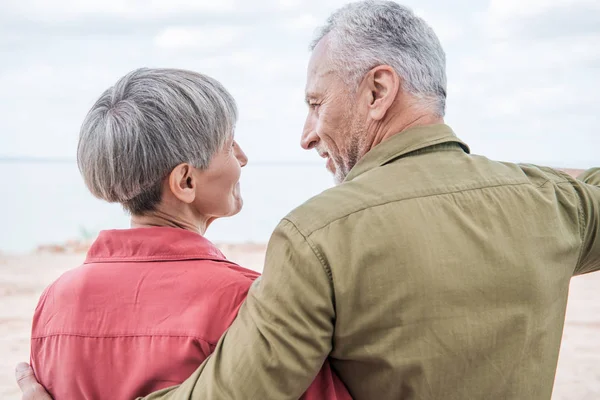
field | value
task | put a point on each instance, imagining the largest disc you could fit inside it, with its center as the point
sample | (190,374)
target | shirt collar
(400,145)
(151,244)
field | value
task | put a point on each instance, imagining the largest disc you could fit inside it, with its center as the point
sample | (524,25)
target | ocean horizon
(47,203)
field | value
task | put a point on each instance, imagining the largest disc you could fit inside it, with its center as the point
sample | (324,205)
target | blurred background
(524,78)
(523,86)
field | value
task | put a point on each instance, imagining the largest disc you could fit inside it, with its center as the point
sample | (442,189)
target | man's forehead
(318,81)
(319,64)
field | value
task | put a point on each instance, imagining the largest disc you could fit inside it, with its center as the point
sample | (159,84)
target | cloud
(532,53)
(538,78)
(289,4)
(506,9)
(302,23)
(542,19)
(198,37)
(190,5)
(136,9)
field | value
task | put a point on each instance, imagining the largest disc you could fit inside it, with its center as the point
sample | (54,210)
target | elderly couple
(427,273)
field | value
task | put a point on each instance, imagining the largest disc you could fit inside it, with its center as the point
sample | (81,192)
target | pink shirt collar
(151,244)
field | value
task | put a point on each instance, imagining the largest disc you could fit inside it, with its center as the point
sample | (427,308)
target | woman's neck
(159,218)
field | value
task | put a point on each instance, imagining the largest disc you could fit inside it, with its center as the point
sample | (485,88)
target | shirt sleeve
(281,336)
(588,188)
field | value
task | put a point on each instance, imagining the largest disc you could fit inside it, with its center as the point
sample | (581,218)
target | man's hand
(30,387)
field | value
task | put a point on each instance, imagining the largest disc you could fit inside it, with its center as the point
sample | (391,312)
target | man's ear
(383,84)
(182,183)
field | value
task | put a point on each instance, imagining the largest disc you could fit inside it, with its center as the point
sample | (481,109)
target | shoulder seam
(319,257)
(358,210)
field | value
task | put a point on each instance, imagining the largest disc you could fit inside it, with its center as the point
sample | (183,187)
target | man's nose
(309,139)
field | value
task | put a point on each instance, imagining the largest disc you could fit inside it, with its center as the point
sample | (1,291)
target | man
(427,273)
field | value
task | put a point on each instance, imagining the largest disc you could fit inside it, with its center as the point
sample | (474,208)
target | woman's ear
(182,183)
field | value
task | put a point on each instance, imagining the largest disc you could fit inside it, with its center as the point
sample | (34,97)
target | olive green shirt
(429,273)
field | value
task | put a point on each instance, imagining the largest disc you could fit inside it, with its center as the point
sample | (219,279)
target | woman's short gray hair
(149,122)
(366,34)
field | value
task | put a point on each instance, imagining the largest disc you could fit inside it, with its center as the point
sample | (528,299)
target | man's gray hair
(149,122)
(366,34)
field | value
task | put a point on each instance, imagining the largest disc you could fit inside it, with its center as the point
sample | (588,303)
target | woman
(150,303)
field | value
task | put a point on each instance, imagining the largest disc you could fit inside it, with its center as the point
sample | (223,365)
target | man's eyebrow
(310,96)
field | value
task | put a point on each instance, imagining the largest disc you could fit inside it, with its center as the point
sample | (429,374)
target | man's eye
(314,105)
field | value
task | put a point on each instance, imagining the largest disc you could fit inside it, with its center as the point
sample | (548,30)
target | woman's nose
(241,156)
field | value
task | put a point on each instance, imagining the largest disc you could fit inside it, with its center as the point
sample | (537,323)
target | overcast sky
(524,75)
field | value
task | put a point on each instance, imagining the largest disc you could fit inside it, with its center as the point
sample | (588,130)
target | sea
(47,203)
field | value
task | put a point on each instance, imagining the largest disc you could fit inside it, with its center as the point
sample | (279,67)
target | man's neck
(399,125)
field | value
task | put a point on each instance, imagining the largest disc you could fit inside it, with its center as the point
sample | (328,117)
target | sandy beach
(23,277)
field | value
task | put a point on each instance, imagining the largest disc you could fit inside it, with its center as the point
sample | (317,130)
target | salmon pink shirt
(141,314)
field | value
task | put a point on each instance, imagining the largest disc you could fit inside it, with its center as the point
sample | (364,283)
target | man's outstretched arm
(282,333)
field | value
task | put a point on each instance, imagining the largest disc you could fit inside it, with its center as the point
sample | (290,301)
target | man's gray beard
(338,177)
(343,169)
(358,135)
(353,156)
